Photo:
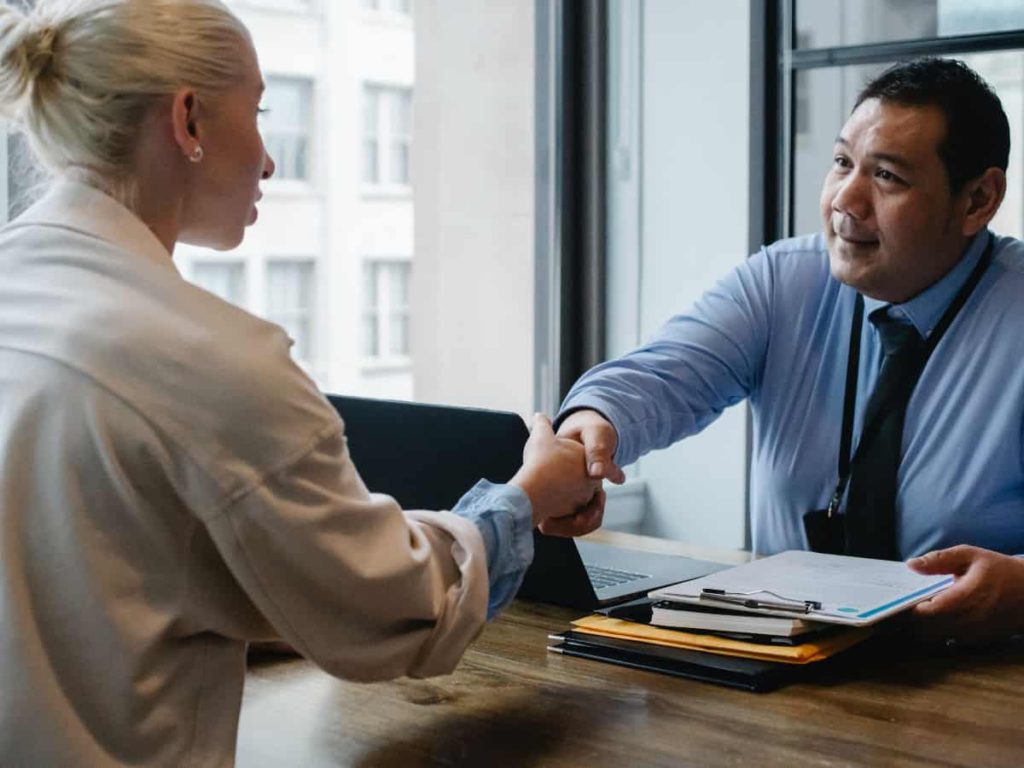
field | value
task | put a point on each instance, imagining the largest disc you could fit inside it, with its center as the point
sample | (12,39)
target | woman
(171,484)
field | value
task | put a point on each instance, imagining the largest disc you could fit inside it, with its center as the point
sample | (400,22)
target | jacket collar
(85,209)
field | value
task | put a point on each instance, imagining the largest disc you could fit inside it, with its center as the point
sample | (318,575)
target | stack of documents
(746,626)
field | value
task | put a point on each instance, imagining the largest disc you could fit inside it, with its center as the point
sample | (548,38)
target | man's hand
(985,602)
(599,440)
(566,501)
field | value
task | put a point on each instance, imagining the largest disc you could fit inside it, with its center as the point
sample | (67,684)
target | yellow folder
(791,654)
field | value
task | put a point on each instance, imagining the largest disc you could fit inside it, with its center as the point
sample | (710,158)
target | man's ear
(184,120)
(982,197)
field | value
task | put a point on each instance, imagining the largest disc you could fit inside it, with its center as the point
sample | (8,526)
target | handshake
(562,473)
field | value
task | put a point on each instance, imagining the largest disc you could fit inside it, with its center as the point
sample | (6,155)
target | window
(824,93)
(398,7)
(837,23)
(287,125)
(386,315)
(388,136)
(289,302)
(221,278)
(340,76)
(21,181)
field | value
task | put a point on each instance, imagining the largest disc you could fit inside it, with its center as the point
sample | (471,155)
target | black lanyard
(853,364)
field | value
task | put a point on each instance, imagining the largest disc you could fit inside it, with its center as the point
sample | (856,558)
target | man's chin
(851,272)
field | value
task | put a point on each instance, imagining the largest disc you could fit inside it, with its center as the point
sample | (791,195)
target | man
(918,172)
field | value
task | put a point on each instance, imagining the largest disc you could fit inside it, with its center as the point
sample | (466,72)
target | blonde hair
(78,77)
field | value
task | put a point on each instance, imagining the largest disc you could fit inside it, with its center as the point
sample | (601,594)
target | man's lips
(857,240)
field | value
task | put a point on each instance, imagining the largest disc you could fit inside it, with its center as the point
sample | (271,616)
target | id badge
(825,533)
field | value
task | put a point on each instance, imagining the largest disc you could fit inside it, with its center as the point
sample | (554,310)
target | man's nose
(853,196)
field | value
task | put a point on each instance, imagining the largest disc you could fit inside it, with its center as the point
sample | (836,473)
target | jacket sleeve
(361,588)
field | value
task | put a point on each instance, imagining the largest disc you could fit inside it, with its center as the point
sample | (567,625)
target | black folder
(733,671)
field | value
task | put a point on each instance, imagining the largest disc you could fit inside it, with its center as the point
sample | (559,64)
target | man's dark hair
(977,132)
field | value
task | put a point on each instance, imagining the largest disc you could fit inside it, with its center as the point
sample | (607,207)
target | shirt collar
(925,310)
(85,209)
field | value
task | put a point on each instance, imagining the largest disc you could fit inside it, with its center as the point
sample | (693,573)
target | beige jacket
(171,487)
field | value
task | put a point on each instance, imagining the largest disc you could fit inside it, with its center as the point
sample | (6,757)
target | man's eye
(885,175)
(841,161)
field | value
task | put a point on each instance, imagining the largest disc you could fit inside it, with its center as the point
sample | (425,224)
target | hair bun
(39,51)
(26,53)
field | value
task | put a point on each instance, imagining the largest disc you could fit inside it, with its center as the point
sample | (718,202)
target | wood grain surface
(512,703)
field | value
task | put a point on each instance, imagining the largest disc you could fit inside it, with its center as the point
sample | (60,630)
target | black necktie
(871,504)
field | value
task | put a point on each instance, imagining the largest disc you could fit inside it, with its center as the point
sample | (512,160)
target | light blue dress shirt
(504,515)
(777,330)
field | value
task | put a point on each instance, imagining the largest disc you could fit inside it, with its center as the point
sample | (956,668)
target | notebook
(688,616)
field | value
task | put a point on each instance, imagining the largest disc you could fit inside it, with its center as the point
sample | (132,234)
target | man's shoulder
(1009,255)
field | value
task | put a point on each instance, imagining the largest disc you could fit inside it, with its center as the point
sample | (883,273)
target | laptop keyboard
(608,577)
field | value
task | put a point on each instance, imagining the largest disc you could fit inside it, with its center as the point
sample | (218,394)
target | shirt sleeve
(698,364)
(364,589)
(504,516)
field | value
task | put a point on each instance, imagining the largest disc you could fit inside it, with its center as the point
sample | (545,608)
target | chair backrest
(428,456)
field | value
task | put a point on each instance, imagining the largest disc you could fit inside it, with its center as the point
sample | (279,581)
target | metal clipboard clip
(780,603)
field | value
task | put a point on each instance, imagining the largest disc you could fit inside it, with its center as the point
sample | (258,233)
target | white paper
(851,590)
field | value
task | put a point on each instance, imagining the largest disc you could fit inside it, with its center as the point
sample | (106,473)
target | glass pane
(288,102)
(371,111)
(223,279)
(831,23)
(471,233)
(23,176)
(286,125)
(398,344)
(399,289)
(370,285)
(399,163)
(371,164)
(289,303)
(371,336)
(401,113)
(824,98)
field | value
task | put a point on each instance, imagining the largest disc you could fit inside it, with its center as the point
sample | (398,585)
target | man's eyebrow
(886,156)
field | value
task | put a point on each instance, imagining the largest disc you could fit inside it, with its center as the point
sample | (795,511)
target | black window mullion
(874,53)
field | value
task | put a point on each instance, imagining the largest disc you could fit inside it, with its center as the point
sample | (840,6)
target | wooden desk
(511,703)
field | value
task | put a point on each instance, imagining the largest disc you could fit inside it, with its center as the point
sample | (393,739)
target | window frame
(384,137)
(381,314)
(309,183)
(308,314)
(782,60)
(238,263)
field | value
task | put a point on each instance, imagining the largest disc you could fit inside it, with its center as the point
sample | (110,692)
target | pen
(741,598)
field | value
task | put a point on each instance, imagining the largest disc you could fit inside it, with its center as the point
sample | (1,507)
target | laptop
(428,456)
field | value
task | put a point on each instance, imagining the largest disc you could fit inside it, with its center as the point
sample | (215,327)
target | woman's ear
(184,121)
(984,195)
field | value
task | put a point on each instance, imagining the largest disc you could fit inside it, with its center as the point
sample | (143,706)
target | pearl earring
(197,154)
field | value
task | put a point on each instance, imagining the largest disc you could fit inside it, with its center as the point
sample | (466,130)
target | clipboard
(834,589)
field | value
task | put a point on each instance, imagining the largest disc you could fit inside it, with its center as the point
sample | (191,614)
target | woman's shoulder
(202,370)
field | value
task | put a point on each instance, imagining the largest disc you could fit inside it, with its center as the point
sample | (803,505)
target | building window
(399,7)
(290,302)
(387,143)
(386,315)
(287,125)
(221,278)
